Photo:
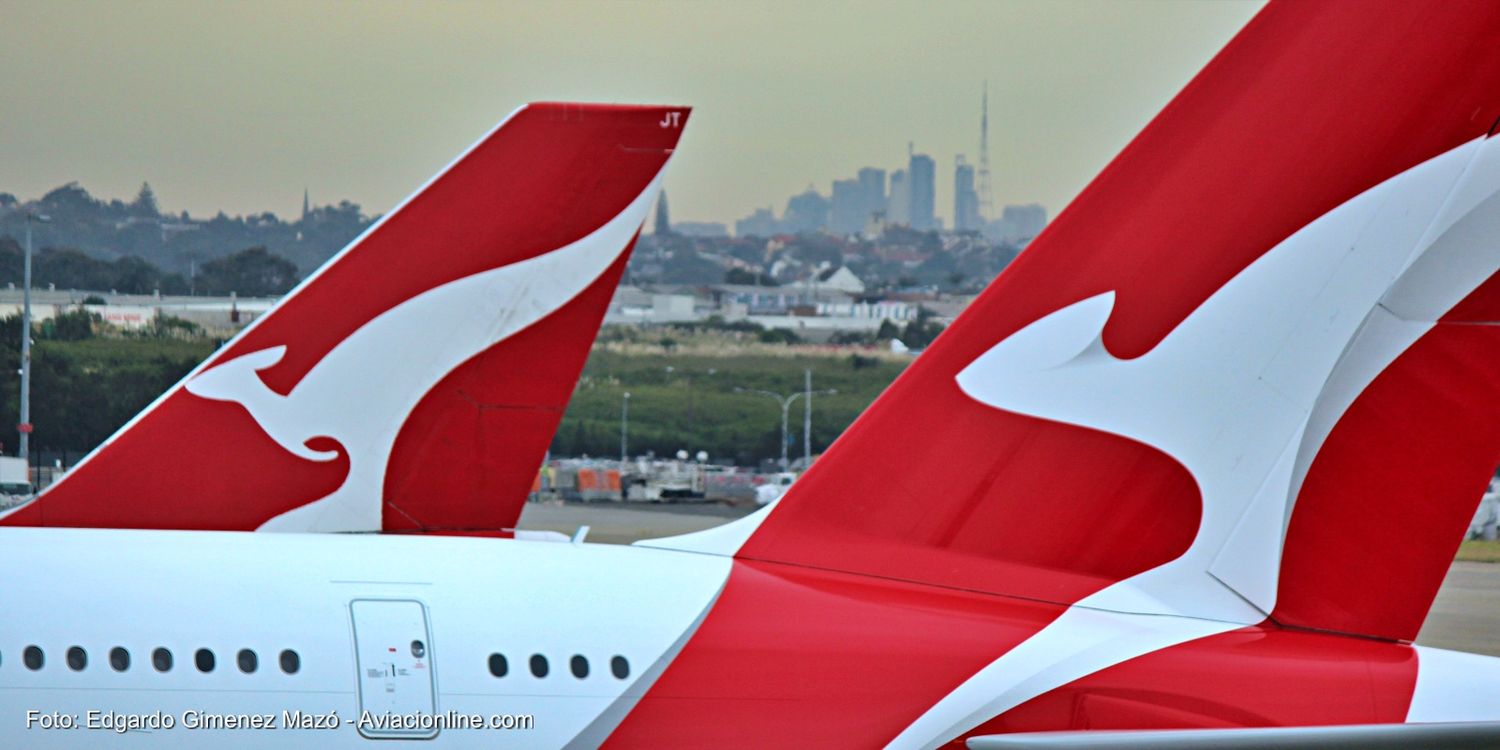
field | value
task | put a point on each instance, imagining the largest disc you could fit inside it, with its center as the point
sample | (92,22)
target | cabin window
(77,658)
(290,661)
(33,657)
(538,665)
(619,667)
(119,659)
(579,665)
(498,666)
(162,660)
(247,660)
(204,659)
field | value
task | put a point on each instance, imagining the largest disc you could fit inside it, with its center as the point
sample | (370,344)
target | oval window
(162,660)
(290,661)
(77,658)
(33,658)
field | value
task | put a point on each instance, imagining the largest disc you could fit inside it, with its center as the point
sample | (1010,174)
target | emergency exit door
(397,686)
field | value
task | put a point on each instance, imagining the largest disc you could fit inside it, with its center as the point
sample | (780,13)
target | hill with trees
(177,243)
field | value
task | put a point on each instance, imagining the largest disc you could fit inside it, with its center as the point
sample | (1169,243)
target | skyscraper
(965,198)
(1023,222)
(847,213)
(922,175)
(872,184)
(663,219)
(898,209)
(807,212)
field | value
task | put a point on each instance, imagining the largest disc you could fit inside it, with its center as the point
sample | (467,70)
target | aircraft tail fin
(415,380)
(1250,372)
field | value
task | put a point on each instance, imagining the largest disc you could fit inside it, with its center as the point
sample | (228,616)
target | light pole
(786,405)
(24,444)
(624,427)
(807,413)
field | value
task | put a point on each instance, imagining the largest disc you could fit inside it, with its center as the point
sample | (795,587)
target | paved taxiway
(1465,617)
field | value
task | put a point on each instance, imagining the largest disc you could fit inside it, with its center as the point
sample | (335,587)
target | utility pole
(24,444)
(624,427)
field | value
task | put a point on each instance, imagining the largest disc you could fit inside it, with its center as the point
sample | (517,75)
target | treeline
(689,402)
(84,387)
(176,242)
(254,272)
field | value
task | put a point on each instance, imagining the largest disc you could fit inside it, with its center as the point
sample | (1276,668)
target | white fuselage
(335,600)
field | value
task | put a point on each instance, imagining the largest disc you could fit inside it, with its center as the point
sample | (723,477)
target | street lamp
(786,405)
(24,444)
(624,427)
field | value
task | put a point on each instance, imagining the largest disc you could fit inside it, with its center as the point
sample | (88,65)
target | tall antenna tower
(986,198)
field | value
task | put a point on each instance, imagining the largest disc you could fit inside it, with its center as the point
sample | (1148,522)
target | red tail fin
(1238,313)
(415,380)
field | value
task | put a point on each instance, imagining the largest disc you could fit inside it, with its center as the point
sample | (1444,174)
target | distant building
(663,219)
(807,212)
(898,210)
(701,229)
(762,223)
(1018,224)
(848,207)
(922,173)
(840,279)
(965,199)
(872,185)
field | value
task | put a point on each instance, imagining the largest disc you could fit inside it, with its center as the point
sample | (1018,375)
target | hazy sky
(237,106)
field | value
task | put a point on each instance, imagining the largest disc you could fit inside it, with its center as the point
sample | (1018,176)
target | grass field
(1477,550)
(683,397)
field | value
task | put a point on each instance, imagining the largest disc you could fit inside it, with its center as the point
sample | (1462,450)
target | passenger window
(290,661)
(204,659)
(119,659)
(619,667)
(248,661)
(538,665)
(579,665)
(498,666)
(77,658)
(162,660)
(33,657)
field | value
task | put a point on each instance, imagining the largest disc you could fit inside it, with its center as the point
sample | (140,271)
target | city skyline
(239,107)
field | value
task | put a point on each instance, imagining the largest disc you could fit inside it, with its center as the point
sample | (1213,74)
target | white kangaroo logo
(363,390)
(1229,394)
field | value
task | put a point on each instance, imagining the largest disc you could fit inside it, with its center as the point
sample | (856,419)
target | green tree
(71,325)
(253,272)
(144,204)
